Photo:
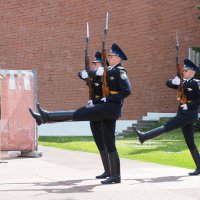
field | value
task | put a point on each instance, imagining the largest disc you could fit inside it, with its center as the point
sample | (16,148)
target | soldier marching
(108,87)
(107,109)
(187,113)
(96,127)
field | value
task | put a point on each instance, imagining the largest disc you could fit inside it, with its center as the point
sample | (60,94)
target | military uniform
(119,89)
(97,126)
(187,115)
(107,110)
(110,111)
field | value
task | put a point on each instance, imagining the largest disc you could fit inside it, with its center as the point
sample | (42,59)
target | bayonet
(87,64)
(180,92)
(104,57)
(177,49)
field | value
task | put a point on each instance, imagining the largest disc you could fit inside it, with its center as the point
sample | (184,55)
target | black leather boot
(114,169)
(56,116)
(196,158)
(149,134)
(106,165)
(43,113)
(37,117)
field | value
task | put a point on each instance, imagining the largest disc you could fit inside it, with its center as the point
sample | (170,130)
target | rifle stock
(180,95)
(105,87)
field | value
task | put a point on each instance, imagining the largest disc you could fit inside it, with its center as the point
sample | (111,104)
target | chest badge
(96,84)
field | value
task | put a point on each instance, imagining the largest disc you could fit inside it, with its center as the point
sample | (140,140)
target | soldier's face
(113,60)
(95,66)
(188,73)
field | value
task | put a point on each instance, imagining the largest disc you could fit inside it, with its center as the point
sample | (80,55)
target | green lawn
(169,149)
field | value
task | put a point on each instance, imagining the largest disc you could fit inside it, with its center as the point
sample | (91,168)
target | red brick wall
(50,35)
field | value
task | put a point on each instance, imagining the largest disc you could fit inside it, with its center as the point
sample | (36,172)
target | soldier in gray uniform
(106,109)
(187,113)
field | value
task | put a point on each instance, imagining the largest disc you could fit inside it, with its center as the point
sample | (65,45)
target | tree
(198,7)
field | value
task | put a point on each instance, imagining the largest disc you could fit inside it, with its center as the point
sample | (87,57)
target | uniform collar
(115,66)
(188,80)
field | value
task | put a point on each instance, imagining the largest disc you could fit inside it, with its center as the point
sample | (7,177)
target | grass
(168,149)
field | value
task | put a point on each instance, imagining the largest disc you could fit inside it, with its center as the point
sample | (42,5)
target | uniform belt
(113,92)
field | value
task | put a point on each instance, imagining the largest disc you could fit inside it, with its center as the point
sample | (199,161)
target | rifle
(87,66)
(180,96)
(104,56)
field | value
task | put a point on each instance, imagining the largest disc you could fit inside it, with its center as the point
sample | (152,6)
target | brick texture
(50,35)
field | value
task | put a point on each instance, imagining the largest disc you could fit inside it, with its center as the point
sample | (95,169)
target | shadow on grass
(171,142)
(164,147)
(172,146)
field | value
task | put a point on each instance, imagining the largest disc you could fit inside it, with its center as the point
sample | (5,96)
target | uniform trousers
(99,112)
(102,119)
(184,120)
(104,134)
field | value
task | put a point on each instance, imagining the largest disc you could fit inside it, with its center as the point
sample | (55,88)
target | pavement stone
(69,175)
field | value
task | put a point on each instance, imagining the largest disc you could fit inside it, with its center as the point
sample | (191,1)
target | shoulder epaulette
(197,80)
(120,67)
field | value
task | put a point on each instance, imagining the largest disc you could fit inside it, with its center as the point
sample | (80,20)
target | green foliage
(198,7)
(196,49)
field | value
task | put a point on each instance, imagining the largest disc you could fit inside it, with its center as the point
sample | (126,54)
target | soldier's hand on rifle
(184,107)
(90,103)
(84,74)
(98,101)
(103,99)
(176,81)
(100,71)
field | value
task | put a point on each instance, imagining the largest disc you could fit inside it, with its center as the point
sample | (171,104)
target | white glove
(184,107)
(90,103)
(84,74)
(99,71)
(176,81)
(103,99)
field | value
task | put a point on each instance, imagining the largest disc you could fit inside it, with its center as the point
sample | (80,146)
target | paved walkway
(68,175)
